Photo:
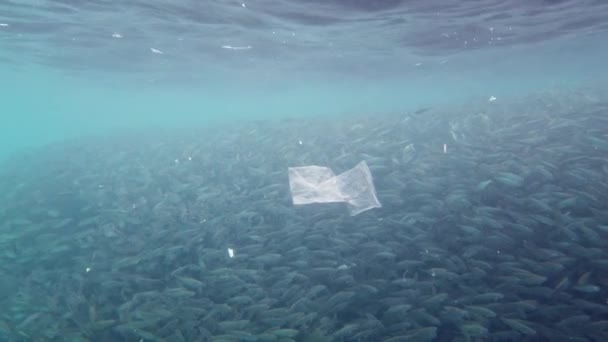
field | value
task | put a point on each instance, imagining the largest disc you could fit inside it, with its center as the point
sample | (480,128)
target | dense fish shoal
(191,235)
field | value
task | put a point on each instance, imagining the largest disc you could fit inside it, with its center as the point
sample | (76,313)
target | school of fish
(493,227)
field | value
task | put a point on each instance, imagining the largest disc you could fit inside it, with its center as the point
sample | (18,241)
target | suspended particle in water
(230,47)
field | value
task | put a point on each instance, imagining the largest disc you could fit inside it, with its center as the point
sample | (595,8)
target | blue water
(70,68)
(483,123)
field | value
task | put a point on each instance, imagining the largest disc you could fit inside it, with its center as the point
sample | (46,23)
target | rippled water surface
(79,67)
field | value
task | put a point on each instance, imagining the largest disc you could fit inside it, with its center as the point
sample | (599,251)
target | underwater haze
(282,170)
(78,67)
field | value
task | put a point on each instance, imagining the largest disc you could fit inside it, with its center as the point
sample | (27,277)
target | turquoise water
(150,190)
(74,68)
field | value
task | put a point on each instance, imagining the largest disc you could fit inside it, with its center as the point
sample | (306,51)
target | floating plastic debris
(116,35)
(156,51)
(3,25)
(230,253)
(318,184)
(492,99)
